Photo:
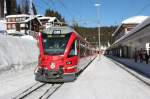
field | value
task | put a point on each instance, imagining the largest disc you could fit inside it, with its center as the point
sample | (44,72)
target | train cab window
(54,44)
(73,50)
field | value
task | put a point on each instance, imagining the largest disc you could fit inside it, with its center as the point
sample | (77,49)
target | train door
(73,50)
(72,59)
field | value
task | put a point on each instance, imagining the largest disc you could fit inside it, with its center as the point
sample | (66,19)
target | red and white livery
(63,54)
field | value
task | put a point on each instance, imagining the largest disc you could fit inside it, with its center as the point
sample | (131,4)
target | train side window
(76,48)
(82,49)
(73,50)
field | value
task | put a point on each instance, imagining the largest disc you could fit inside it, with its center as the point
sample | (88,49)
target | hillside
(91,34)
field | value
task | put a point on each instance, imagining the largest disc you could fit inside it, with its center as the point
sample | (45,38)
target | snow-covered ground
(12,81)
(16,52)
(103,79)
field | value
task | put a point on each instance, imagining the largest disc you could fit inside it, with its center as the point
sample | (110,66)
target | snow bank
(27,37)
(2,25)
(16,52)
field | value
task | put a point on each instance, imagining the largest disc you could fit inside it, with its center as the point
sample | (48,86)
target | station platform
(103,79)
(141,68)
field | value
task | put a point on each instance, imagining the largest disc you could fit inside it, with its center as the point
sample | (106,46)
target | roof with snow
(19,15)
(50,19)
(132,20)
(31,18)
(137,28)
(43,17)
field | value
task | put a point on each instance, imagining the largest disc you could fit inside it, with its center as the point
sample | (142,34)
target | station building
(132,35)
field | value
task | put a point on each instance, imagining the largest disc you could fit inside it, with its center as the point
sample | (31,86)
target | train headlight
(52,65)
(69,63)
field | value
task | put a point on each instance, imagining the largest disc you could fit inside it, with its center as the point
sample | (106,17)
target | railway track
(42,90)
(38,91)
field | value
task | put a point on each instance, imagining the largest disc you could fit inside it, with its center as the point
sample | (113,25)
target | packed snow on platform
(104,80)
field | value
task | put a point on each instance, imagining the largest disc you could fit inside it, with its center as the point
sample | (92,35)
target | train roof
(62,30)
(59,30)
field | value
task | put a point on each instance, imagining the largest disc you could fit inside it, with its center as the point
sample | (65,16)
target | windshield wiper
(59,53)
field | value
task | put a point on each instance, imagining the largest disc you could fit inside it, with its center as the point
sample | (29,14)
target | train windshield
(55,44)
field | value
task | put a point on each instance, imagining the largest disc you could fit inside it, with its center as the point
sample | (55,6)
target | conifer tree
(1,8)
(11,7)
(19,9)
(34,9)
(52,13)
(25,7)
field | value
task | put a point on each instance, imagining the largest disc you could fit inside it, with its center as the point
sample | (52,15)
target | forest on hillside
(91,34)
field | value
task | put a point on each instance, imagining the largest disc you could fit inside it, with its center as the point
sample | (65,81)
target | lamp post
(98,25)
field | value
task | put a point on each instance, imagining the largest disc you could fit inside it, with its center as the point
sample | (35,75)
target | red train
(63,54)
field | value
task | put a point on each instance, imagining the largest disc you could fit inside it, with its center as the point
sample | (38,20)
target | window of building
(129,29)
(8,26)
(18,27)
(22,19)
(17,19)
(8,20)
(13,19)
(13,26)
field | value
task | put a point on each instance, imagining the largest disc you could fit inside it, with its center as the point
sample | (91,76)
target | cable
(48,3)
(145,7)
(45,2)
(39,6)
(53,4)
(65,7)
(67,10)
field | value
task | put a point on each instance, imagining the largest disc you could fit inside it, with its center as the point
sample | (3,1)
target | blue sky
(112,12)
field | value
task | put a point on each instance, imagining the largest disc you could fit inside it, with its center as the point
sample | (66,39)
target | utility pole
(5,9)
(1,8)
(30,17)
(98,25)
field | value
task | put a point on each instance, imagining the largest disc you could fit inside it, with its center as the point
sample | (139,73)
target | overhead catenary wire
(48,4)
(53,3)
(45,3)
(66,8)
(39,7)
(144,7)
(69,11)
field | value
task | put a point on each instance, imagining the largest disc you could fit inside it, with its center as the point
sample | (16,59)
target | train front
(58,57)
